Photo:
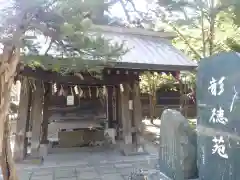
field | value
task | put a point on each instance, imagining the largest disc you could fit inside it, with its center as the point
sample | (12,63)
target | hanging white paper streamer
(121,88)
(76,90)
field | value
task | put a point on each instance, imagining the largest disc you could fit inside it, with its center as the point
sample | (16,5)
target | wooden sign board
(70,100)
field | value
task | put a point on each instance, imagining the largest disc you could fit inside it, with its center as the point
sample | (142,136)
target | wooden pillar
(137,113)
(114,103)
(19,148)
(118,113)
(110,106)
(46,101)
(125,114)
(37,116)
(26,140)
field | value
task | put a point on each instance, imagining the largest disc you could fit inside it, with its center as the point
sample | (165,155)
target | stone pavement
(88,165)
(87,171)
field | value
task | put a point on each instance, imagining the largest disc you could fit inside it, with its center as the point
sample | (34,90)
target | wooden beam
(112,79)
(19,151)
(37,116)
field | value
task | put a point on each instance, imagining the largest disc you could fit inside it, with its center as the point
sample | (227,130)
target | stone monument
(178,146)
(218,126)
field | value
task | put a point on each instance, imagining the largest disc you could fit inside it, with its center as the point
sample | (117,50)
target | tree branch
(125,11)
(185,40)
(49,47)
(203,34)
(135,9)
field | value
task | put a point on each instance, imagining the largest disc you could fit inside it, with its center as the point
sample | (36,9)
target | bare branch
(125,10)
(185,40)
(49,47)
(135,9)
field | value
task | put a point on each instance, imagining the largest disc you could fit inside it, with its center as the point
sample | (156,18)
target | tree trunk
(212,27)
(203,33)
(8,64)
(8,167)
(181,96)
(211,35)
(152,104)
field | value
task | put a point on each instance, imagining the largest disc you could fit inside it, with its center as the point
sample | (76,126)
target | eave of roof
(149,52)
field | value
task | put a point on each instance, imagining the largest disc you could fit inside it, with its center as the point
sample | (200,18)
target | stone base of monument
(132,150)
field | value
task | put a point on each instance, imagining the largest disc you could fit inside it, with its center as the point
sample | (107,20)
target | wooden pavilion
(148,51)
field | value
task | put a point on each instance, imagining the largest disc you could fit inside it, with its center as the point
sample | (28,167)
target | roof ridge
(133,31)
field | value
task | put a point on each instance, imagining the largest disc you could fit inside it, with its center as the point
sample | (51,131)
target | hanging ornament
(121,88)
(34,86)
(89,91)
(54,87)
(104,90)
(129,87)
(61,91)
(97,92)
(76,90)
(80,92)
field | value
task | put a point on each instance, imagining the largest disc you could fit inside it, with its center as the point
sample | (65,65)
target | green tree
(232,42)
(203,27)
(66,31)
(150,83)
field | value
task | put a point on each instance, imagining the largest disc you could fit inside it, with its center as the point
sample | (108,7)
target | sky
(117,9)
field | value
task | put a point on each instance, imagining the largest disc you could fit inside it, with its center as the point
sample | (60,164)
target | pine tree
(65,27)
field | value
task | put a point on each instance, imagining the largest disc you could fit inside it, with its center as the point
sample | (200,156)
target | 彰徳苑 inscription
(219,147)
(216,87)
(218,116)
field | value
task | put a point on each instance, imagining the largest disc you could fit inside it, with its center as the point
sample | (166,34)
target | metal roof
(148,50)
(150,53)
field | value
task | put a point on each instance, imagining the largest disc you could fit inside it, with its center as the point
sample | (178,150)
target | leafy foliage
(66,65)
(235,9)
(60,28)
(233,42)
(203,26)
(151,82)
(188,78)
